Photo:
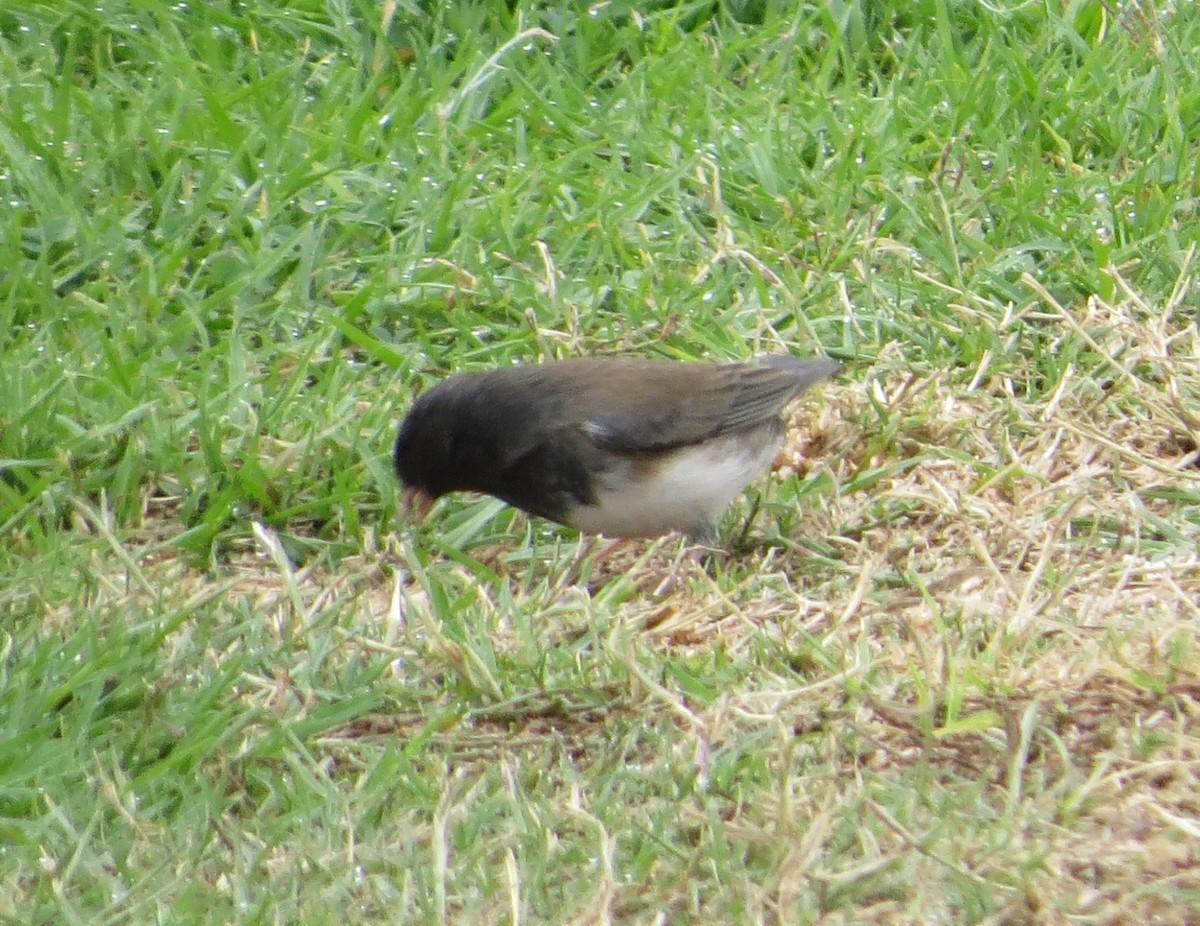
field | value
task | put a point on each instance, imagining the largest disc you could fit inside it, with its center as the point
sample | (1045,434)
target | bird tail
(804,370)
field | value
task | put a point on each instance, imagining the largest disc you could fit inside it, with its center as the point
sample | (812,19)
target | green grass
(948,671)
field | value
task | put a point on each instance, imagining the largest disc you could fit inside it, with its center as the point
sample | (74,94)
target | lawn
(946,667)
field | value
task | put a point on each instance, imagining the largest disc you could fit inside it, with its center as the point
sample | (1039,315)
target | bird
(619,446)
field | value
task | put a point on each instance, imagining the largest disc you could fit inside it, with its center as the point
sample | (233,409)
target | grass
(948,671)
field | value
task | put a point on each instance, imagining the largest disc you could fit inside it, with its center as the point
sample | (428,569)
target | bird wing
(653,407)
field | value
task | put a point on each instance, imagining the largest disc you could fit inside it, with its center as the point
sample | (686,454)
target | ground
(943,667)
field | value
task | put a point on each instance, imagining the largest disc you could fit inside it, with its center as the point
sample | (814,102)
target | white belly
(687,492)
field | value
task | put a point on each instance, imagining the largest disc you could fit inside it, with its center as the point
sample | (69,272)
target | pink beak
(416,505)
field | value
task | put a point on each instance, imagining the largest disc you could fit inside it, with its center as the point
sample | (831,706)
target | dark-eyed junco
(621,447)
